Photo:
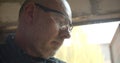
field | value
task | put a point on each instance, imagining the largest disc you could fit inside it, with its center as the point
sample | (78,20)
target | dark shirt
(10,53)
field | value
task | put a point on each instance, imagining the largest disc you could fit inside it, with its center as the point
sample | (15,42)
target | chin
(50,55)
(53,52)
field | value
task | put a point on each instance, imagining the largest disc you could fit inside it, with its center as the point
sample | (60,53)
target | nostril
(67,36)
(64,34)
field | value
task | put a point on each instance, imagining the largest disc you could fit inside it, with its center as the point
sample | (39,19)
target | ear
(29,12)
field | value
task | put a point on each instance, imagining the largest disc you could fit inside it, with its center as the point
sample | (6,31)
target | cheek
(46,31)
(51,28)
(52,31)
(45,28)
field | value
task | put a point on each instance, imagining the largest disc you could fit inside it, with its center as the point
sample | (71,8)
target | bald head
(60,5)
(43,26)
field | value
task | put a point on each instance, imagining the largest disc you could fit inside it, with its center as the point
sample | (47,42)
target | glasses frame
(46,9)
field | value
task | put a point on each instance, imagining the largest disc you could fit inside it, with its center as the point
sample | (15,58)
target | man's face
(48,31)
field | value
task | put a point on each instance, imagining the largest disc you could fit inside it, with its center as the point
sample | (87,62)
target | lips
(56,42)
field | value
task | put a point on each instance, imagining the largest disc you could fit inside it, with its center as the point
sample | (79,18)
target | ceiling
(84,11)
(95,11)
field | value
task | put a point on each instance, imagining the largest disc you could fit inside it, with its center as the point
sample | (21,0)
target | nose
(64,33)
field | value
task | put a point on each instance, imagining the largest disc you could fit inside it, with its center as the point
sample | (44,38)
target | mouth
(56,43)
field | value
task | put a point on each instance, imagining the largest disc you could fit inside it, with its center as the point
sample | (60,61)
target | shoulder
(6,44)
(3,46)
(3,52)
(57,60)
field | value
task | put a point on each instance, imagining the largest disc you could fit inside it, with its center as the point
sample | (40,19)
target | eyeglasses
(62,21)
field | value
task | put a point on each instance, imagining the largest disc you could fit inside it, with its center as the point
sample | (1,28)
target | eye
(62,21)
(71,27)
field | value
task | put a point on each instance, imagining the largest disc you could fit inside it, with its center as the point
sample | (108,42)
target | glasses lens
(62,21)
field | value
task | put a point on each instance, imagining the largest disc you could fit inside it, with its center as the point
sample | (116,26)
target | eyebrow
(46,9)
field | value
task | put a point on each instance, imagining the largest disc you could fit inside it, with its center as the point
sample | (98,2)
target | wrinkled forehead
(60,5)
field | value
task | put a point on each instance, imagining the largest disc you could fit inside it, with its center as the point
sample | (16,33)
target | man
(43,26)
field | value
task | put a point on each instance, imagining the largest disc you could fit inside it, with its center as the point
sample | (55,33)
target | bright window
(88,44)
